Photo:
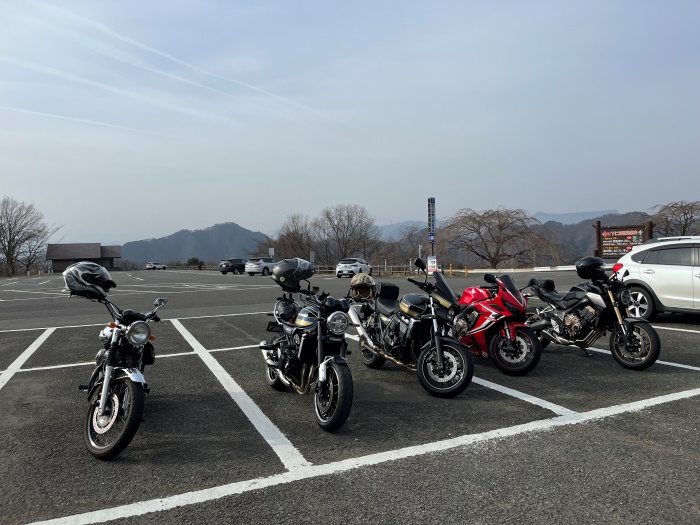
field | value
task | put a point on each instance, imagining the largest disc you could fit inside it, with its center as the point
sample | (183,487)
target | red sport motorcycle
(494,326)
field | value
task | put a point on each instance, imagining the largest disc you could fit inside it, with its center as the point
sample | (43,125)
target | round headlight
(138,333)
(625,297)
(338,322)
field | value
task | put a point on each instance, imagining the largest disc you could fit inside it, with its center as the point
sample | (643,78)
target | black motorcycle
(310,354)
(591,309)
(413,332)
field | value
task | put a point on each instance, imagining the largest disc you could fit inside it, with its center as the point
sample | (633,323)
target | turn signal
(152,338)
(112,325)
(617,267)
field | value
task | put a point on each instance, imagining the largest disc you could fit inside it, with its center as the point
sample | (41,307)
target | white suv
(664,276)
(155,266)
(352,266)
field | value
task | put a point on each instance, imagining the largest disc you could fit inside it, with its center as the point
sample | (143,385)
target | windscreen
(443,288)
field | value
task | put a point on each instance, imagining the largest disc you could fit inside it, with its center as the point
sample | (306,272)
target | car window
(348,261)
(639,256)
(675,256)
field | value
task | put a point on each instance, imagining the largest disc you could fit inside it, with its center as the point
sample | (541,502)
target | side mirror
(420,264)
(160,302)
(489,278)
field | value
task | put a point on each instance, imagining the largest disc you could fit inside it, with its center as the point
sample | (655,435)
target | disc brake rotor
(514,354)
(102,423)
(449,369)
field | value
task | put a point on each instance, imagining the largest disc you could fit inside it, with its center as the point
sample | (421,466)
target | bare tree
(350,230)
(495,236)
(296,237)
(677,218)
(23,234)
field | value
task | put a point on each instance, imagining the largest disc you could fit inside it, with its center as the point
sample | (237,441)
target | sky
(131,119)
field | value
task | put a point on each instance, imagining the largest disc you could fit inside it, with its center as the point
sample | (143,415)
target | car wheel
(251,273)
(642,304)
(370,271)
(236,271)
(224,273)
(266,271)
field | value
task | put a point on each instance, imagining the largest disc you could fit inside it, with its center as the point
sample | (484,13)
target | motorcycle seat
(387,306)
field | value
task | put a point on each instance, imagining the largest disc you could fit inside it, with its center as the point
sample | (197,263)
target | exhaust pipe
(361,332)
(265,348)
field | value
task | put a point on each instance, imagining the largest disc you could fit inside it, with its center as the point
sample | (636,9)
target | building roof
(92,250)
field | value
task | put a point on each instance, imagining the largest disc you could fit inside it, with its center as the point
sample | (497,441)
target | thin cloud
(39,68)
(110,32)
(84,121)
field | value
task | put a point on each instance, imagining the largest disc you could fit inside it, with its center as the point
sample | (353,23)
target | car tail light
(617,267)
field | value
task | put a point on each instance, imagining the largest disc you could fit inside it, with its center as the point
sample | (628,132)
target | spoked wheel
(516,358)
(273,379)
(333,397)
(533,316)
(108,434)
(454,376)
(642,350)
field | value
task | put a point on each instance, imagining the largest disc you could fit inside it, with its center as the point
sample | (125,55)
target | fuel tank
(414,304)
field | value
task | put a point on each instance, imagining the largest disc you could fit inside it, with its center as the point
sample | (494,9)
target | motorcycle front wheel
(333,397)
(108,434)
(518,358)
(641,351)
(455,375)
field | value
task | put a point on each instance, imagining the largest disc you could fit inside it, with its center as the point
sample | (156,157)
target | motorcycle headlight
(138,333)
(625,297)
(338,322)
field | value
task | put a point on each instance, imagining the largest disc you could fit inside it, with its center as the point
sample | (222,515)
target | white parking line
(667,363)
(287,452)
(17,363)
(312,471)
(677,329)
(557,409)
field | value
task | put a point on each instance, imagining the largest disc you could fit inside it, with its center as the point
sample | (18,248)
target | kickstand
(585,352)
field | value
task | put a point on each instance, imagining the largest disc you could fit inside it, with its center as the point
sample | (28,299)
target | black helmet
(591,268)
(288,272)
(88,279)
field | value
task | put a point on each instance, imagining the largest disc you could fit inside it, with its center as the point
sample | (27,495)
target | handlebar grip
(410,280)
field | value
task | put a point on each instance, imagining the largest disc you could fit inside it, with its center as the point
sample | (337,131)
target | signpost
(431,224)
(615,241)
(432,264)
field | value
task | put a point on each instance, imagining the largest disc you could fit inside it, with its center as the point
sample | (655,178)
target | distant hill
(571,218)
(210,244)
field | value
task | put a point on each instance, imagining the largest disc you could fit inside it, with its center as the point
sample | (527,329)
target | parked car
(263,265)
(155,266)
(352,266)
(664,276)
(235,266)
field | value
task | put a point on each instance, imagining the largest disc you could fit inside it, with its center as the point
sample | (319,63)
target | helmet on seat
(362,286)
(88,279)
(591,268)
(288,272)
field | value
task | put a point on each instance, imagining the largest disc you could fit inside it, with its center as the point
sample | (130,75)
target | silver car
(263,265)
(664,276)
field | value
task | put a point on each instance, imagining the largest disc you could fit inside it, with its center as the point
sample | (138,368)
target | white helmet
(88,279)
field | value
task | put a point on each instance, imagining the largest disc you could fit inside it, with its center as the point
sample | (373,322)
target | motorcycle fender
(629,321)
(452,340)
(322,367)
(119,373)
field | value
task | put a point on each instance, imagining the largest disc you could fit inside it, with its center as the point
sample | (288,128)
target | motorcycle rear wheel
(533,316)
(456,376)
(369,358)
(519,360)
(109,434)
(273,379)
(642,351)
(333,398)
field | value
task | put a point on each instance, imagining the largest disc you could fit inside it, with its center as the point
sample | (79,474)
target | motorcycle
(117,388)
(495,326)
(589,311)
(413,332)
(310,354)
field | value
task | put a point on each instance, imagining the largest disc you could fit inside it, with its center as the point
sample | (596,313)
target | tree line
(502,237)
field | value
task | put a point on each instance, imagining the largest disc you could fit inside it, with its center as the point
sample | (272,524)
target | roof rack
(679,238)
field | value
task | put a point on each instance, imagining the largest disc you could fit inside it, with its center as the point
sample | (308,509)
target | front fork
(436,336)
(109,369)
(618,315)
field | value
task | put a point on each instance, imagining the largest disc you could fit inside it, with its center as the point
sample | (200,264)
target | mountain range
(229,240)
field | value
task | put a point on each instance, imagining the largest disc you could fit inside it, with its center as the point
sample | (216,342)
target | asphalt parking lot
(580,439)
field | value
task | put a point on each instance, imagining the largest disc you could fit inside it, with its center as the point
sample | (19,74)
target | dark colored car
(235,266)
